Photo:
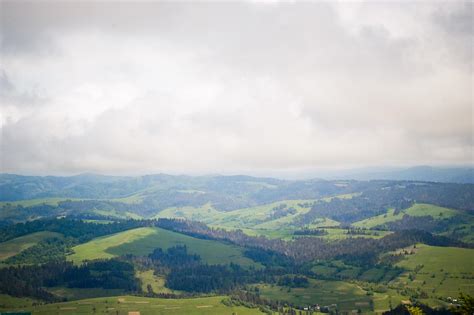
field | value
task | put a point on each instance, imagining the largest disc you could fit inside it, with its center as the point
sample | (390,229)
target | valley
(244,246)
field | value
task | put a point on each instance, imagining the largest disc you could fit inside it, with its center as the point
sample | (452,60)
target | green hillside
(416,210)
(262,217)
(143,241)
(15,246)
(438,271)
(125,304)
(347,296)
(258,216)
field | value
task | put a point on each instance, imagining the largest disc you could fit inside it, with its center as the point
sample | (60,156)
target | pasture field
(323,223)
(258,217)
(206,213)
(15,246)
(338,234)
(122,305)
(439,272)
(371,222)
(240,218)
(422,209)
(285,234)
(339,269)
(157,282)
(346,295)
(416,210)
(142,241)
(383,300)
(84,293)
(11,302)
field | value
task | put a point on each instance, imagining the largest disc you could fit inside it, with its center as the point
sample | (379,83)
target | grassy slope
(446,270)
(157,282)
(8,302)
(241,218)
(84,293)
(143,241)
(333,233)
(206,213)
(146,306)
(337,234)
(347,296)
(257,217)
(16,245)
(415,210)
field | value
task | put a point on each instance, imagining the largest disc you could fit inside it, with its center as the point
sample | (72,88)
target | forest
(344,245)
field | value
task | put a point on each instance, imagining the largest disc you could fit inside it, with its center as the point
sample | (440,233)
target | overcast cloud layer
(244,87)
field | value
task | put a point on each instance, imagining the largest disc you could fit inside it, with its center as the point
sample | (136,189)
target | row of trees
(364,251)
(77,229)
(30,280)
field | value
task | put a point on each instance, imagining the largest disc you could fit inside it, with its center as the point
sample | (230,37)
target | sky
(234,87)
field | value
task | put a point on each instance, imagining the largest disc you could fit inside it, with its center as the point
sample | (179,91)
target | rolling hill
(143,241)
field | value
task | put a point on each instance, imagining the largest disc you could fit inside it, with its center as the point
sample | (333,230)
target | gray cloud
(233,87)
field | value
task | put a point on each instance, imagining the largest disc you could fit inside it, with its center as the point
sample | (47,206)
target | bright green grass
(146,306)
(379,219)
(421,209)
(339,234)
(382,300)
(15,246)
(285,234)
(205,213)
(347,296)
(333,233)
(157,282)
(323,222)
(240,218)
(258,217)
(143,241)
(445,271)
(416,210)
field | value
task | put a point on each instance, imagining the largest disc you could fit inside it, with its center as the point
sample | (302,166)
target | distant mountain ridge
(236,187)
(462,175)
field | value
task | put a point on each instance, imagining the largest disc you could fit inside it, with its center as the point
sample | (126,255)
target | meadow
(122,305)
(143,241)
(440,272)
(346,295)
(416,210)
(257,218)
(12,247)
(157,283)
(253,217)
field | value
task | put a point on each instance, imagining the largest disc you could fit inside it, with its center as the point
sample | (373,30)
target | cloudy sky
(242,87)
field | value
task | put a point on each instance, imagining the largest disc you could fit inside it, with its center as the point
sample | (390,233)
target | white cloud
(233,88)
